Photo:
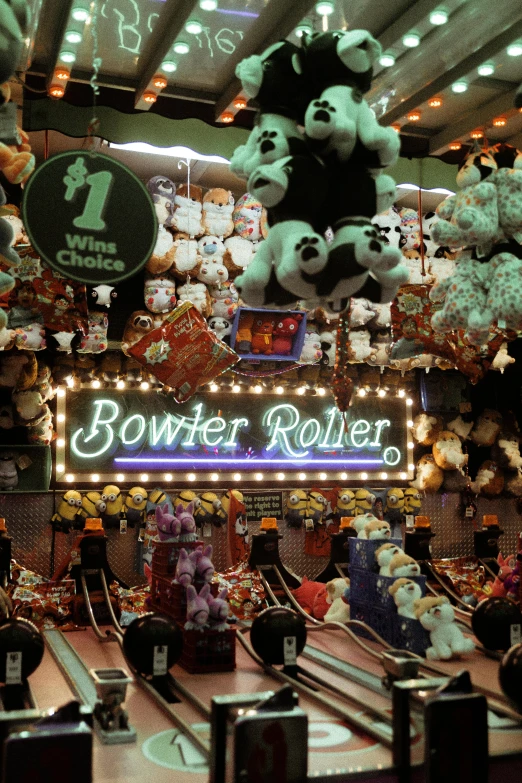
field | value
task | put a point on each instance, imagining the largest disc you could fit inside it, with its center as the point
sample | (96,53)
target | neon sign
(134,431)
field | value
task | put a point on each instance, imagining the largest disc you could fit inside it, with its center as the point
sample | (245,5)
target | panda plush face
(475,168)
(270,183)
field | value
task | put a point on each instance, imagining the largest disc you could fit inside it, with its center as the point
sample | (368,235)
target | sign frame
(248,474)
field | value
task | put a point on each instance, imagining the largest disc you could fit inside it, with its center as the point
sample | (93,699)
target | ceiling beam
(476,118)
(277,20)
(411,17)
(166,30)
(62,11)
(418,75)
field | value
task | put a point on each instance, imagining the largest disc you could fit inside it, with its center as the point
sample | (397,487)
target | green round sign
(89,217)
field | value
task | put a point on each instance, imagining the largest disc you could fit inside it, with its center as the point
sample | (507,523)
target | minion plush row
(108,505)
(301,505)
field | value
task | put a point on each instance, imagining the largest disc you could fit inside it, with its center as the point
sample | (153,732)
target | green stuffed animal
(503,303)
(464,296)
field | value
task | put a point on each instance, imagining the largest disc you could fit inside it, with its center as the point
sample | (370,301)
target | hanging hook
(187,162)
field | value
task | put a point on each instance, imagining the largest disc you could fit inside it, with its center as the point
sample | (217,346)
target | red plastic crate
(209,651)
(166,555)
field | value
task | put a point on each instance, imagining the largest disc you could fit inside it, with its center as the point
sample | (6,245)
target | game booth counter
(260,372)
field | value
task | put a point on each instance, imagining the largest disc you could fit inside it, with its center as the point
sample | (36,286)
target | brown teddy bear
(428,475)
(186,258)
(218,205)
(487,428)
(426,428)
(163,254)
(447,451)
(187,216)
(489,480)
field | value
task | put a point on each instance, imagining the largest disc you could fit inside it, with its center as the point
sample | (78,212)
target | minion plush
(67,512)
(344,505)
(185,497)
(210,511)
(296,508)
(225,499)
(316,507)
(113,500)
(364,501)
(394,509)
(92,505)
(134,506)
(412,501)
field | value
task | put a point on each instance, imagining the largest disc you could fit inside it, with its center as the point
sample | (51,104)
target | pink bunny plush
(185,517)
(218,611)
(186,566)
(197,608)
(205,567)
(507,564)
(169,526)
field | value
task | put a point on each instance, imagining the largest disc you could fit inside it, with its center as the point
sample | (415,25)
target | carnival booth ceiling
(139,40)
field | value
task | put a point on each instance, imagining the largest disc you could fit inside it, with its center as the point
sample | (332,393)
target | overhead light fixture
(73,36)
(411,40)
(304,28)
(324,8)
(150,97)
(455,145)
(486,69)
(414,116)
(240,103)
(181,47)
(56,91)
(460,86)
(227,117)
(439,16)
(396,127)
(499,122)
(515,50)
(208,5)
(67,56)
(171,152)
(80,12)
(193,27)
(62,73)
(159,81)
(435,103)
(477,134)
(387,60)
(168,66)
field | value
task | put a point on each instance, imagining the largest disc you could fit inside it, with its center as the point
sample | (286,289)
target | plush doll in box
(188,212)
(464,300)
(285,332)
(489,480)
(486,428)
(447,451)
(428,475)
(426,428)
(374,529)
(31,337)
(262,331)
(160,294)
(244,332)
(218,205)
(437,616)
(197,293)
(470,217)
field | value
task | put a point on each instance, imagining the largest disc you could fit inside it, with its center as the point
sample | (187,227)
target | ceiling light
(459,86)
(67,57)
(515,50)
(486,69)
(435,103)
(386,60)
(73,36)
(227,117)
(171,152)
(181,47)
(414,116)
(149,97)
(168,66)
(455,145)
(240,103)
(303,29)
(159,81)
(324,8)
(411,40)
(476,134)
(80,13)
(499,122)
(208,5)
(396,127)
(56,91)
(62,73)
(193,27)
(439,16)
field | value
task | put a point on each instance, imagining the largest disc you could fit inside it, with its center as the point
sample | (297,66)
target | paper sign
(290,651)
(13,668)
(159,665)
(514,634)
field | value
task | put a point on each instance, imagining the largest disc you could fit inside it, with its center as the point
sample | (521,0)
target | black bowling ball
(19,635)
(269,630)
(492,620)
(510,676)
(147,632)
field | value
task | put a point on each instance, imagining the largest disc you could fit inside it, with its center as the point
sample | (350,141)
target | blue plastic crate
(382,598)
(410,635)
(380,621)
(362,585)
(298,341)
(362,552)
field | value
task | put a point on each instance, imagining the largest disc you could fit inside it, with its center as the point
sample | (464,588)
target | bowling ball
(510,676)
(269,630)
(147,632)
(492,620)
(21,636)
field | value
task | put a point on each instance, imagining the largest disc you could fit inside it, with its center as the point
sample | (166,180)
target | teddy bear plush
(311,352)
(411,260)
(464,301)
(486,428)
(212,249)
(426,428)
(285,332)
(218,205)
(489,481)
(198,294)
(249,217)
(428,475)
(241,253)
(437,616)
(225,299)
(188,213)
(212,271)
(405,592)
(262,330)
(185,259)
(502,359)
(447,451)
(470,217)
(160,294)
(163,192)
(359,347)
(244,332)
(163,253)
(29,404)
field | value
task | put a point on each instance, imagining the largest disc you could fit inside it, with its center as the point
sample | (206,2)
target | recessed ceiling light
(181,47)
(486,69)
(499,122)
(414,116)
(208,5)
(439,16)
(193,27)
(67,57)
(324,8)
(73,36)
(435,103)
(386,60)
(459,86)
(455,145)
(515,50)
(168,66)
(411,40)
(476,134)
(303,29)
(80,13)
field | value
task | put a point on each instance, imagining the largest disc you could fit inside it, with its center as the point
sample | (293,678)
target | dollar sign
(75,178)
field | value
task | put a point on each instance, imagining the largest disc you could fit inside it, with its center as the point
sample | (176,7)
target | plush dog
(437,616)
(374,529)
(384,556)
(339,611)
(403,565)
(405,592)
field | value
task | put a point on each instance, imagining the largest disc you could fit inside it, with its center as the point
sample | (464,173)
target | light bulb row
(214,477)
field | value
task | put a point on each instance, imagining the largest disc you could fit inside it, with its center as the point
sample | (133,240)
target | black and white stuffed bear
(274,80)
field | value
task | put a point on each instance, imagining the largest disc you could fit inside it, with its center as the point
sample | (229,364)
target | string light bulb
(144,477)
(227,117)
(344,476)
(214,387)
(404,476)
(402,393)
(150,97)
(411,466)
(301,476)
(144,385)
(279,390)
(60,468)
(95,477)
(60,443)
(259,477)
(258,389)
(301,390)
(455,145)
(214,477)
(69,478)
(95,384)
(435,103)
(236,388)
(120,384)
(499,122)
(384,476)
(414,116)
(60,392)
(382,393)
(322,476)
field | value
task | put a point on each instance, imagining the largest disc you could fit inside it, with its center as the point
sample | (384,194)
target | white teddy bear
(384,555)
(197,293)
(160,295)
(405,592)
(339,611)
(241,251)
(437,616)
(212,271)
(359,345)
(312,351)
(225,299)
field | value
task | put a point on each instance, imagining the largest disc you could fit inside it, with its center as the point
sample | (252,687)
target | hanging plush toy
(296,508)
(218,205)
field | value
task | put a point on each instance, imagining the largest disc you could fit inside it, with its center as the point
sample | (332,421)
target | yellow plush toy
(16,160)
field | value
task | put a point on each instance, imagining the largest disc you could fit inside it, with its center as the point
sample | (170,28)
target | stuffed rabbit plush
(205,567)
(185,517)
(186,566)
(218,611)
(169,526)
(197,608)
